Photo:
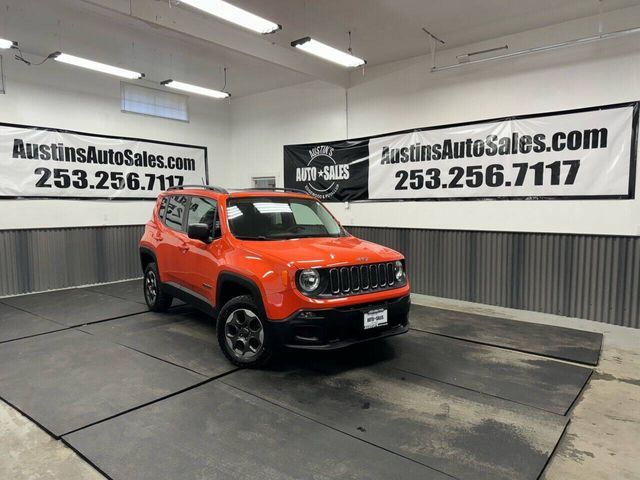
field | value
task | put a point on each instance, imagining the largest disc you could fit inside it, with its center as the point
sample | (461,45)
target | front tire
(242,333)
(156,299)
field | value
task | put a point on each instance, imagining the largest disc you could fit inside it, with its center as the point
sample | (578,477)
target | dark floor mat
(462,433)
(75,306)
(128,290)
(66,380)
(217,432)
(547,340)
(16,323)
(184,337)
(520,377)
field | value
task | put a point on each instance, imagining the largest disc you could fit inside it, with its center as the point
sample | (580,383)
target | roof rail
(270,189)
(213,188)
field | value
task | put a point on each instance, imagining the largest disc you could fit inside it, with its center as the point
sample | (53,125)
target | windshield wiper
(260,237)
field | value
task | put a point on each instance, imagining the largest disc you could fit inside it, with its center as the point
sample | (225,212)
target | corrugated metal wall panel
(587,276)
(45,259)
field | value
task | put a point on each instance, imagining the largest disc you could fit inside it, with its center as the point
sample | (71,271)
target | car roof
(217,192)
(267,193)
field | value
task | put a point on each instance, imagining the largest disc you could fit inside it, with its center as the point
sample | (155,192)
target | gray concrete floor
(601,441)
(28,453)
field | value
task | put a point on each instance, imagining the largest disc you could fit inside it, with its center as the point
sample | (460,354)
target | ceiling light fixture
(186,87)
(466,57)
(97,66)
(6,44)
(544,48)
(233,14)
(326,52)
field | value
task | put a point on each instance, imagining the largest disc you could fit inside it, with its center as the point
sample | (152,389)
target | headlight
(309,280)
(399,271)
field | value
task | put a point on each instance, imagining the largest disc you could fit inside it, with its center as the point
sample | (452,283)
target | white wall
(406,95)
(261,124)
(245,138)
(59,96)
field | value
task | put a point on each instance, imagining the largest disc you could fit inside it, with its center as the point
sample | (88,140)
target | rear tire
(242,333)
(156,299)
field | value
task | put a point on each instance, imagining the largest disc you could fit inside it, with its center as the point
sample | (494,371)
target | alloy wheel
(151,286)
(244,334)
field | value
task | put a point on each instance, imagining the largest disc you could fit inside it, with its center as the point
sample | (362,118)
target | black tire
(156,299)
(243,334)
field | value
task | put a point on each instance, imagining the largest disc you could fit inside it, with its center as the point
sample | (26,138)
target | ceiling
(388,30)
(42,27)
(167,40)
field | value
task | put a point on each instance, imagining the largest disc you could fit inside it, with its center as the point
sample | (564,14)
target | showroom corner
(245,138)
(319,239)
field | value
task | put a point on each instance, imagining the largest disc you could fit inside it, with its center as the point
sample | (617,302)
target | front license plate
(375,318)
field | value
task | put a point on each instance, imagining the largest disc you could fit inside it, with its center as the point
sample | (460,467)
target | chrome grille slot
(373,271)
(390,274)
(334,281)
(355,279)
(345,285)
(364,277)
(382,274)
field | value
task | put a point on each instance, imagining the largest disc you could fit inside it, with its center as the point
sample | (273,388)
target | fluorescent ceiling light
(97,66)
(233,14)
(5,44)
(185,87)
(322,50)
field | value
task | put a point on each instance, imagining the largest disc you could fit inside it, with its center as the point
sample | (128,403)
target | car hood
(322,252)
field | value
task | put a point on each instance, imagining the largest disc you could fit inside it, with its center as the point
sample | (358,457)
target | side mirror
(200,231)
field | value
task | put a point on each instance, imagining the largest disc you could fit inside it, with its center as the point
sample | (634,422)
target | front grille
(361,279)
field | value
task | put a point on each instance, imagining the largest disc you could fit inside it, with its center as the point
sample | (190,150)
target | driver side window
(205,210)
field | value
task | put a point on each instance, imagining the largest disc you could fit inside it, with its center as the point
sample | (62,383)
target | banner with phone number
(42,162)
(579,154)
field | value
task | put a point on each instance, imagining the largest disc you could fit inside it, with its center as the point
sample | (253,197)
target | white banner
(38,162)
(580,154)
(586,154)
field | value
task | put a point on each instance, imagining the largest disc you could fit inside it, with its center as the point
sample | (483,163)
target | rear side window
(203,210)
(174,215)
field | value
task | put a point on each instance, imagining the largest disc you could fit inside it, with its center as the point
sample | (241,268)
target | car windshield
(279,218)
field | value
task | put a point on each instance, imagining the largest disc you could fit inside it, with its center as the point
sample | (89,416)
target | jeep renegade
(275,269)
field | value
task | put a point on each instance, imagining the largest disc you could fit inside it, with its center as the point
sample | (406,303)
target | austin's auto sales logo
(322,174)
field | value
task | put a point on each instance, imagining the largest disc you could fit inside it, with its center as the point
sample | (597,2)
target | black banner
(588,153)
(333,171)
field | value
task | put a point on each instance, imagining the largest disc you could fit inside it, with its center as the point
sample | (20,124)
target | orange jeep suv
(274,267)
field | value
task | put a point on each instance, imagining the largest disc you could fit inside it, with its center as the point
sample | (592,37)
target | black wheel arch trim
(226,277)
(151,253)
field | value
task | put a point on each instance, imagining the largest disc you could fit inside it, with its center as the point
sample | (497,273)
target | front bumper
(333,328)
